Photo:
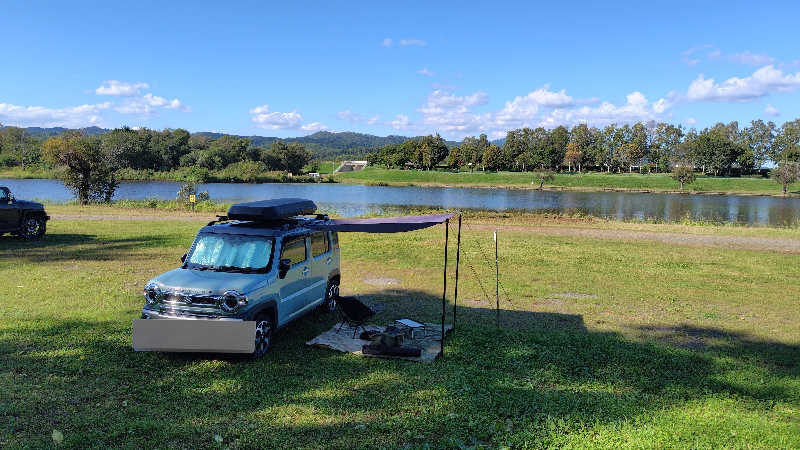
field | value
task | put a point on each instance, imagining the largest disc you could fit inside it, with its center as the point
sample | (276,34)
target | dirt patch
(166,216)
(382,281)
(573,295)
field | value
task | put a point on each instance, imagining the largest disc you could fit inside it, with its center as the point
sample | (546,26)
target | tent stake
(458,257)
(444,280)
(496,279)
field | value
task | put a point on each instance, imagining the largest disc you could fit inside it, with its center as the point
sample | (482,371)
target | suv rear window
(295,249)
(319,243)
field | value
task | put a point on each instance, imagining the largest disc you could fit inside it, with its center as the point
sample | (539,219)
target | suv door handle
(329,260)
(305,270)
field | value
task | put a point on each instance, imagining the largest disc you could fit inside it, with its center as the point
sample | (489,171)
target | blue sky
(460,68)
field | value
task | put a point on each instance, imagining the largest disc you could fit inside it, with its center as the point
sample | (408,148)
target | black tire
(331,296)
(33,228)
(264,330)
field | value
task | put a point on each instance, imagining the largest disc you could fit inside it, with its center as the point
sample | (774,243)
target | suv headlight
(232,300)
(153,294)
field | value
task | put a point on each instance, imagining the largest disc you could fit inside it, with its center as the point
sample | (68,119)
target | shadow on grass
(75,247)
(535,381)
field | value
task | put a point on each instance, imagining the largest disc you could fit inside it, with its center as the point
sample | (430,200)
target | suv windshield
(230,253)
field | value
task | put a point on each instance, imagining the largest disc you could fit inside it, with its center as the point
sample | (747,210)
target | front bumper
(181,335)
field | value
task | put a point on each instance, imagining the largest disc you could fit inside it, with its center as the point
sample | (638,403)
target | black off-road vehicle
(21,217)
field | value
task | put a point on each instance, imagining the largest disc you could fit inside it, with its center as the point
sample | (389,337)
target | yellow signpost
(192,200)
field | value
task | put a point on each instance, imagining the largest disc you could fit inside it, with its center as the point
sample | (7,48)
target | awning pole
(444,280)
(496,279)
(458,258)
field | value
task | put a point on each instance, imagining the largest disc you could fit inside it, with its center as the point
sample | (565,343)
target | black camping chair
(354,313)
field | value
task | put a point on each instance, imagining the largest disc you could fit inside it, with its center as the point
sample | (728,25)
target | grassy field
(585,181)
(605,343)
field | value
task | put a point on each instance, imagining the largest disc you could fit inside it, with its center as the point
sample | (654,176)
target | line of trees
(145,149)
(90,164)
(723,149)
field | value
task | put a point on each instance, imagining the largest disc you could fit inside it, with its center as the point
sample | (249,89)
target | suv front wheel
(32,228)
(331,296)
(264,329)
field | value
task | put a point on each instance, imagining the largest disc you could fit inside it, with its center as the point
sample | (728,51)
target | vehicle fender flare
(270,307)
(335,274)
(34,214)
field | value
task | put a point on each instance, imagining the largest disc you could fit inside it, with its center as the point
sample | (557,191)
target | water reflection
(357,200)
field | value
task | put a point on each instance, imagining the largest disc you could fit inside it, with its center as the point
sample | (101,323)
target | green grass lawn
(584,181)
(606,343)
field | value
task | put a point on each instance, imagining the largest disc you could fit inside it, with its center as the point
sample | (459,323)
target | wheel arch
(268,307)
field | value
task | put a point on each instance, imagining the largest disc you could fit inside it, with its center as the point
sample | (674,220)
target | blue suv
(270,266)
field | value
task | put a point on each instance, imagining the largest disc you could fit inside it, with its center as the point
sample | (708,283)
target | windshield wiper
(236,269)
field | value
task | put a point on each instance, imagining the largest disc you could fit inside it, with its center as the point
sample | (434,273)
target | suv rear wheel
(264,328)
(331,296)
(32,228)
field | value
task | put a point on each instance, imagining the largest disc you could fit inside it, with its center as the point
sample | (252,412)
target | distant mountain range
(322,144)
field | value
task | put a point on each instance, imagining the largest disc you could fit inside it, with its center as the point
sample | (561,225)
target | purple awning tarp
(383,224)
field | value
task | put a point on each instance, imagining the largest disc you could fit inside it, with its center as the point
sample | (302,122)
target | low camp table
(410,327)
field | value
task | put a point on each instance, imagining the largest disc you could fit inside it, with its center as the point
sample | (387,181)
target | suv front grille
(186,299)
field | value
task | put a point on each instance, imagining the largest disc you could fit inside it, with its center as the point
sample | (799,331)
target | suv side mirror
(283,267)
(183,258)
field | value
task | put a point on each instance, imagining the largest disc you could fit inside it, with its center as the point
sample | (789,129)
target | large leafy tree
(18,145)
(556,147)
(88,167)
(759,139)
(787,142)
(473,150)
(786,173)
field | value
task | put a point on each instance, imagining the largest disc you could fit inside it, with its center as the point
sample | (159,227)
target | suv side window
(294,248)
(319,243)
(4,197)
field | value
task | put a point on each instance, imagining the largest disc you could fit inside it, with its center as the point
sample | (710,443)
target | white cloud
(524,109)
(426,72)
(353,117)
(401,122)
(314,126)
(388,42)
(448,112)
(120,88)
(751,59)
(692,56)
(772,111)
(262,117)
(413,42)
(149,104)
(452,114)
(763,81)
(691,121)
(636,109)
(39,116)
(349,116)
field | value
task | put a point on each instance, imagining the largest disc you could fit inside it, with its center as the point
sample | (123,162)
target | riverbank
(180,175)
(604,340)
(375,176)
(512,220)
(655,183)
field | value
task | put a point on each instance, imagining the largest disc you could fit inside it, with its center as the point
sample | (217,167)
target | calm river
(356,200)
